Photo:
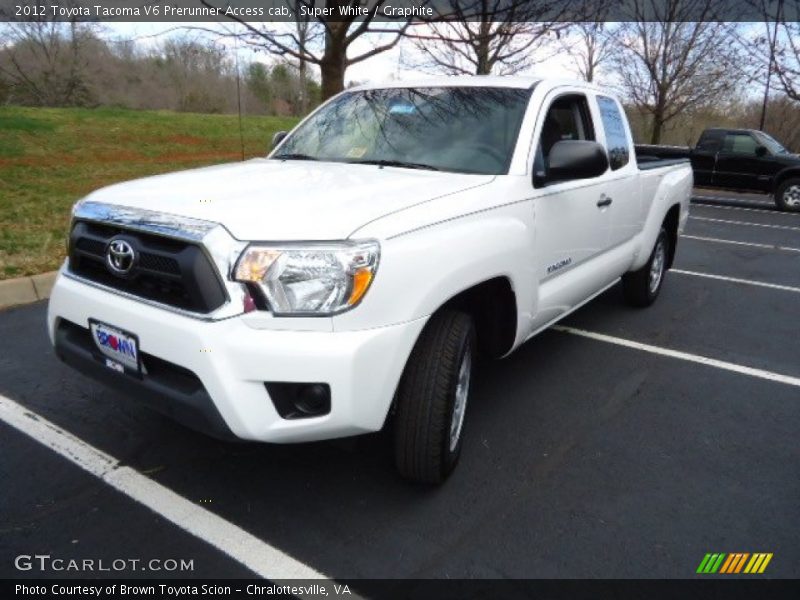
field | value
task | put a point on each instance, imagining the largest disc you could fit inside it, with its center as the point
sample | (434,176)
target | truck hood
(265,199)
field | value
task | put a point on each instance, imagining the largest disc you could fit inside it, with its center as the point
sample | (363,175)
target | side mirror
(278,138)
(761,151)
(576,159)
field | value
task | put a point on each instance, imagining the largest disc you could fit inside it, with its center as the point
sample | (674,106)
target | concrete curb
(25,290)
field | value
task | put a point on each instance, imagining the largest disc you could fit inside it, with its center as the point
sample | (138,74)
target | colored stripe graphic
(738,563)
(734,563)
(755,563)
(703,563)
(765,563)
(730,565)
(744,558)
(711,563)
(727,564)
(717,564)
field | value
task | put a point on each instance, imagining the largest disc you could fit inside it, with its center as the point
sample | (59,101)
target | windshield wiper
(291,156)
(394,163)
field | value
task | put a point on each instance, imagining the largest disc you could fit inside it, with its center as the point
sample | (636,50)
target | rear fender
(675,188)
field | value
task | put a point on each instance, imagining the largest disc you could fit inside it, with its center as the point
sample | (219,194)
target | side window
(740,143)
(710,141)
(567,118)
(616,137)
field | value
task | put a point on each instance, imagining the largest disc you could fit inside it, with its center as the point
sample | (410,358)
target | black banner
(397,11)
(720,588)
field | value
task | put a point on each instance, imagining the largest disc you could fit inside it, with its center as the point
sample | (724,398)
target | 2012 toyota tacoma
(350,279)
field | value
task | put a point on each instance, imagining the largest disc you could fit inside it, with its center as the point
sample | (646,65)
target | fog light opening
(300,400)
(312,399)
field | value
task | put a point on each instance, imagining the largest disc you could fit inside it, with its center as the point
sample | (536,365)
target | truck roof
(457,81)
(506,81)
(731,129)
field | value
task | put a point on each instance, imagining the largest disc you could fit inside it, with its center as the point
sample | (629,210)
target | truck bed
(653,157)
(648,152)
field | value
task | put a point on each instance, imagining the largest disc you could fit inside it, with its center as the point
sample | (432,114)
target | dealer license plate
(120,348)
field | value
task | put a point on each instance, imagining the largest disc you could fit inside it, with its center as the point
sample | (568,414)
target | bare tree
(46,63)
(763,50)
(589,45)
(325,41)
(480,37)
(200,73)
(782,120)
(787,51)
(673,58)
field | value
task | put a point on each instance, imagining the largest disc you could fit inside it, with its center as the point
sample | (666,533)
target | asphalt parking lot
(584,456)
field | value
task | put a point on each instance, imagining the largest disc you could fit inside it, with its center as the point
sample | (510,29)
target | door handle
(604,201)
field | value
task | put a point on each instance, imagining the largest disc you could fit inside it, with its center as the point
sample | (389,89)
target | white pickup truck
(350,279)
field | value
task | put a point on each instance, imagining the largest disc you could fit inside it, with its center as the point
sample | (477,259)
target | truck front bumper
(211,375)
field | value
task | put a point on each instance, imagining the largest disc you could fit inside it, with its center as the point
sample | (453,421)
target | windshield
(462,129)
(773,146)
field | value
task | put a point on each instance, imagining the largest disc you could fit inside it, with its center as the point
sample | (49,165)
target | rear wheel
(787,196)
(432,398)
(641,287)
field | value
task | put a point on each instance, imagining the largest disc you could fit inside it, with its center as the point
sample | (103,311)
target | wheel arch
(492,304)
(671,223)
(782,176)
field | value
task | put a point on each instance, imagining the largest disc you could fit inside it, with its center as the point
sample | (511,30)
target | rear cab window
(710,141)
(616,133)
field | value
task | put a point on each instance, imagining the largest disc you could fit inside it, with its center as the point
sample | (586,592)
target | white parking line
(734,199)
(775,212)
(787,227)
(255,554)
(695,358)
(737,243)
(772,286)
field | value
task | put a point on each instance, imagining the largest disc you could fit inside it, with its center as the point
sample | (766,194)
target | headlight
(310,279)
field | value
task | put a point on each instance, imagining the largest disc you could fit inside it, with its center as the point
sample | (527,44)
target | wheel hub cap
(657,268)
(460,405)
(792,196)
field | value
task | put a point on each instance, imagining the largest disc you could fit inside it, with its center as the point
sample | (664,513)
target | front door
(570,228)
(738,166)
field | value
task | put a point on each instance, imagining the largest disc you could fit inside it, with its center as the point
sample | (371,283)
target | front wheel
(787,196)
(641,287)
(432,398)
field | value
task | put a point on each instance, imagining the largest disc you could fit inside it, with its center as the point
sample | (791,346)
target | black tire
(637,286)
(426,398)
(787,196)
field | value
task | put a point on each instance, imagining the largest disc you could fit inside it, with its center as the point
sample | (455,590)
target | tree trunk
(483,66)
(303,99)
(332,73)
(590,58)
(302,67)
(334,61)
(658,128)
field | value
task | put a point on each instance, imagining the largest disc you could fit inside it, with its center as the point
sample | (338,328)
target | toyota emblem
(120,257)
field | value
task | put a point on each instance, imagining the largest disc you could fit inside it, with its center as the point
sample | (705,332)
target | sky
(386,66)
(382,67)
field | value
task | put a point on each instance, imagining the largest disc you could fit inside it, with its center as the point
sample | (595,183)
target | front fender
(422,269)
